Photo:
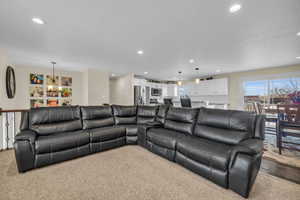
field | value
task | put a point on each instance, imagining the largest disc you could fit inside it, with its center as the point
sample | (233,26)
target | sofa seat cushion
(106,133)
(213,154)
(164,137)
(131,130)
(61,141)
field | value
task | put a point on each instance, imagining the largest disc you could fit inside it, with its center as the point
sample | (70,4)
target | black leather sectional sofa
(223,146)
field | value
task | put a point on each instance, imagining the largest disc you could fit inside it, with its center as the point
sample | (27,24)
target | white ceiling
(106,34)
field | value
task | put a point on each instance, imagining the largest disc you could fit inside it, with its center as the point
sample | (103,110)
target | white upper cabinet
(208,87)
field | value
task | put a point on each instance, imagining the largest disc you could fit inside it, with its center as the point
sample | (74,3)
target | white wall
(122,90)
(3,63)
(89,88)
(22,78)
(95,87)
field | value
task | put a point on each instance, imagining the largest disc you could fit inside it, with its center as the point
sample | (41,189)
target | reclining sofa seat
(222,145)
(99,121)
(209,150)
(157,121)
(178,124)
(50,136)
(132,117)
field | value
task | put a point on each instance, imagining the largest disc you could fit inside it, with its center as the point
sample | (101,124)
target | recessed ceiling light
(38,20)
(218,70)
(298,34)
(298,57)
(140,52)
(191,60)
(234,8)
(145,72)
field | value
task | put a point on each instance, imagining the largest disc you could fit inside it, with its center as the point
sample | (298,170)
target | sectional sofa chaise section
(224,146)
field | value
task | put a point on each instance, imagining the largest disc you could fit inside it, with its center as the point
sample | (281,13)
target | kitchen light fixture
(140,52)
(179,82)
(145,73)
(298,57)
(191,60)
(197,80)
(234,8)
(38,20)
(113,75)
(298,34)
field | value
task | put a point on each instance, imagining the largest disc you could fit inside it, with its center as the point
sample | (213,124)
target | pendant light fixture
(50,87)
(179,82)
(197,80)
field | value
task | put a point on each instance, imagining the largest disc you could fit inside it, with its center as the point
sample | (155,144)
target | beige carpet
(129,172)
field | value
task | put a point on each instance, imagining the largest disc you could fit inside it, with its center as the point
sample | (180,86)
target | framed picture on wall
(44,91)
(52,92)
(66,102)
(66,92)
(36,91)
(36,79)
(66,81)
(52,102)
(36,103)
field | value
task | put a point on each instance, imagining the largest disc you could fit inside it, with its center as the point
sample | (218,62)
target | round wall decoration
(10,82)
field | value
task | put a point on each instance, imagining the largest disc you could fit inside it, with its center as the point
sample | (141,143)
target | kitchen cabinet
(206,88)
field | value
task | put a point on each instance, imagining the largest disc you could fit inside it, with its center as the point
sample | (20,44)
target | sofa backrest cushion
(46,121)
(97,116)
(146,114)
(228,126)
(124,114)
(162,113)
(181,119)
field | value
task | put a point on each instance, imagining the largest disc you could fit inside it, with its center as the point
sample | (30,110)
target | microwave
(156,92)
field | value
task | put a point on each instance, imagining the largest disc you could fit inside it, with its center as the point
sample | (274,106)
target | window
(273,91)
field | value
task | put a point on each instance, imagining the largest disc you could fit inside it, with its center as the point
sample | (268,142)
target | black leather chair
(186,102)
(223,146)
(168,101)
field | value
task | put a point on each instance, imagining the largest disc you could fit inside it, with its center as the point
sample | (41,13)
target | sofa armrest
(260,127)
(25,150)
(244,165)
(142,132)
(28,135)
(249,147)
(256,145)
